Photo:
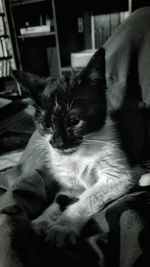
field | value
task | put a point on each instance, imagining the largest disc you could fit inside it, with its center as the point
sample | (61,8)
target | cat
(86,159)
(94,129)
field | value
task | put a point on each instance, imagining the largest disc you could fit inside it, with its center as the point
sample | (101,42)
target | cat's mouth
(70,150)
(66,150)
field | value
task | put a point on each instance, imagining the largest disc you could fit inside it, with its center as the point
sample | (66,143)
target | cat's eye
(44,126)
(74,122)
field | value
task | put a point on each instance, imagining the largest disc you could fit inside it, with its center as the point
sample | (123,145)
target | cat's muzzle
(68,146)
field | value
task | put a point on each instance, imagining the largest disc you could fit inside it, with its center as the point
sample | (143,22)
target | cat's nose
(57,142)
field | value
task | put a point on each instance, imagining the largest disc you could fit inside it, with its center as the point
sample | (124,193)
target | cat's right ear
(33,84)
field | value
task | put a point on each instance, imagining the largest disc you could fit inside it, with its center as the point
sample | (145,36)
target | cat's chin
(66,151)
(69,150)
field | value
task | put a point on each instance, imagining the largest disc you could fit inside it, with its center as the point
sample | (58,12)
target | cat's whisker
(38,145)
(38,108)
(95,141)
(33,148)
(41,153)
(41,156)
(39,142)
(89,144)
(100,141)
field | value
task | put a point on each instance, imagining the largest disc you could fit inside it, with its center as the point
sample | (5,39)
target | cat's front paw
(59,235)
(39,227)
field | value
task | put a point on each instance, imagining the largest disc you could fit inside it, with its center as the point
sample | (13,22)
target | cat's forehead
(55,87)
(62,94)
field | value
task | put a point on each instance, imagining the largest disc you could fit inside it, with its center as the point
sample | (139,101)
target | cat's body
(85,157)
(89,160)
(95,174)
(85,149)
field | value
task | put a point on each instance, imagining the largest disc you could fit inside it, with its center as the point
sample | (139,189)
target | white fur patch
(144,180)
(98,158)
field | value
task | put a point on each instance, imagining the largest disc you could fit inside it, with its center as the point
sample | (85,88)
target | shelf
(66,68)
(5,58)
(36,34)
(19,3)
(4,36)
(37,13)
(70,69)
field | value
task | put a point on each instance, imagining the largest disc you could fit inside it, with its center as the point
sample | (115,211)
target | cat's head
(67,111)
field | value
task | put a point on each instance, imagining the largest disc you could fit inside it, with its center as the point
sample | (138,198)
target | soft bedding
(116,236)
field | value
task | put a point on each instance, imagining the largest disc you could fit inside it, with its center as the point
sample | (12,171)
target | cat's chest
(75,169)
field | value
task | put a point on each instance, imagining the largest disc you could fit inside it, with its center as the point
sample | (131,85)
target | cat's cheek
(39,130)
(80,128)
(48,137)
(81,132)
(78,133)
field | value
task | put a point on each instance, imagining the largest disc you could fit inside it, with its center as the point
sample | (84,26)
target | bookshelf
(35,38)
(73,28)
(6,51)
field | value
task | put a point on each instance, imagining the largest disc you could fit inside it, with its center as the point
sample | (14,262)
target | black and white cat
(86,158)
(93,136)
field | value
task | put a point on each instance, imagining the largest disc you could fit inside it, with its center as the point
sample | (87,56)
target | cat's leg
(69,224)
(41,224)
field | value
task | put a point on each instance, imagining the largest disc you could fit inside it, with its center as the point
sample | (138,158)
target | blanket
(117,236)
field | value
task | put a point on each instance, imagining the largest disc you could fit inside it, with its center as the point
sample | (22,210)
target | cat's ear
(95,70)
(33,84)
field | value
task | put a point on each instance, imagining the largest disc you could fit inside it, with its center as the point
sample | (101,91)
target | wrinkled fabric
(115,237)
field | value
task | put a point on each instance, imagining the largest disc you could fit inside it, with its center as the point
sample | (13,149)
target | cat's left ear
(95,70)
(33,84)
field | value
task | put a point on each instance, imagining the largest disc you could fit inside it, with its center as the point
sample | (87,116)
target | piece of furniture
(73,28)
(34,32)
(7,59)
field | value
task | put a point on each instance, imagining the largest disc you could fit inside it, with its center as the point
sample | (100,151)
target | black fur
(61,106)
